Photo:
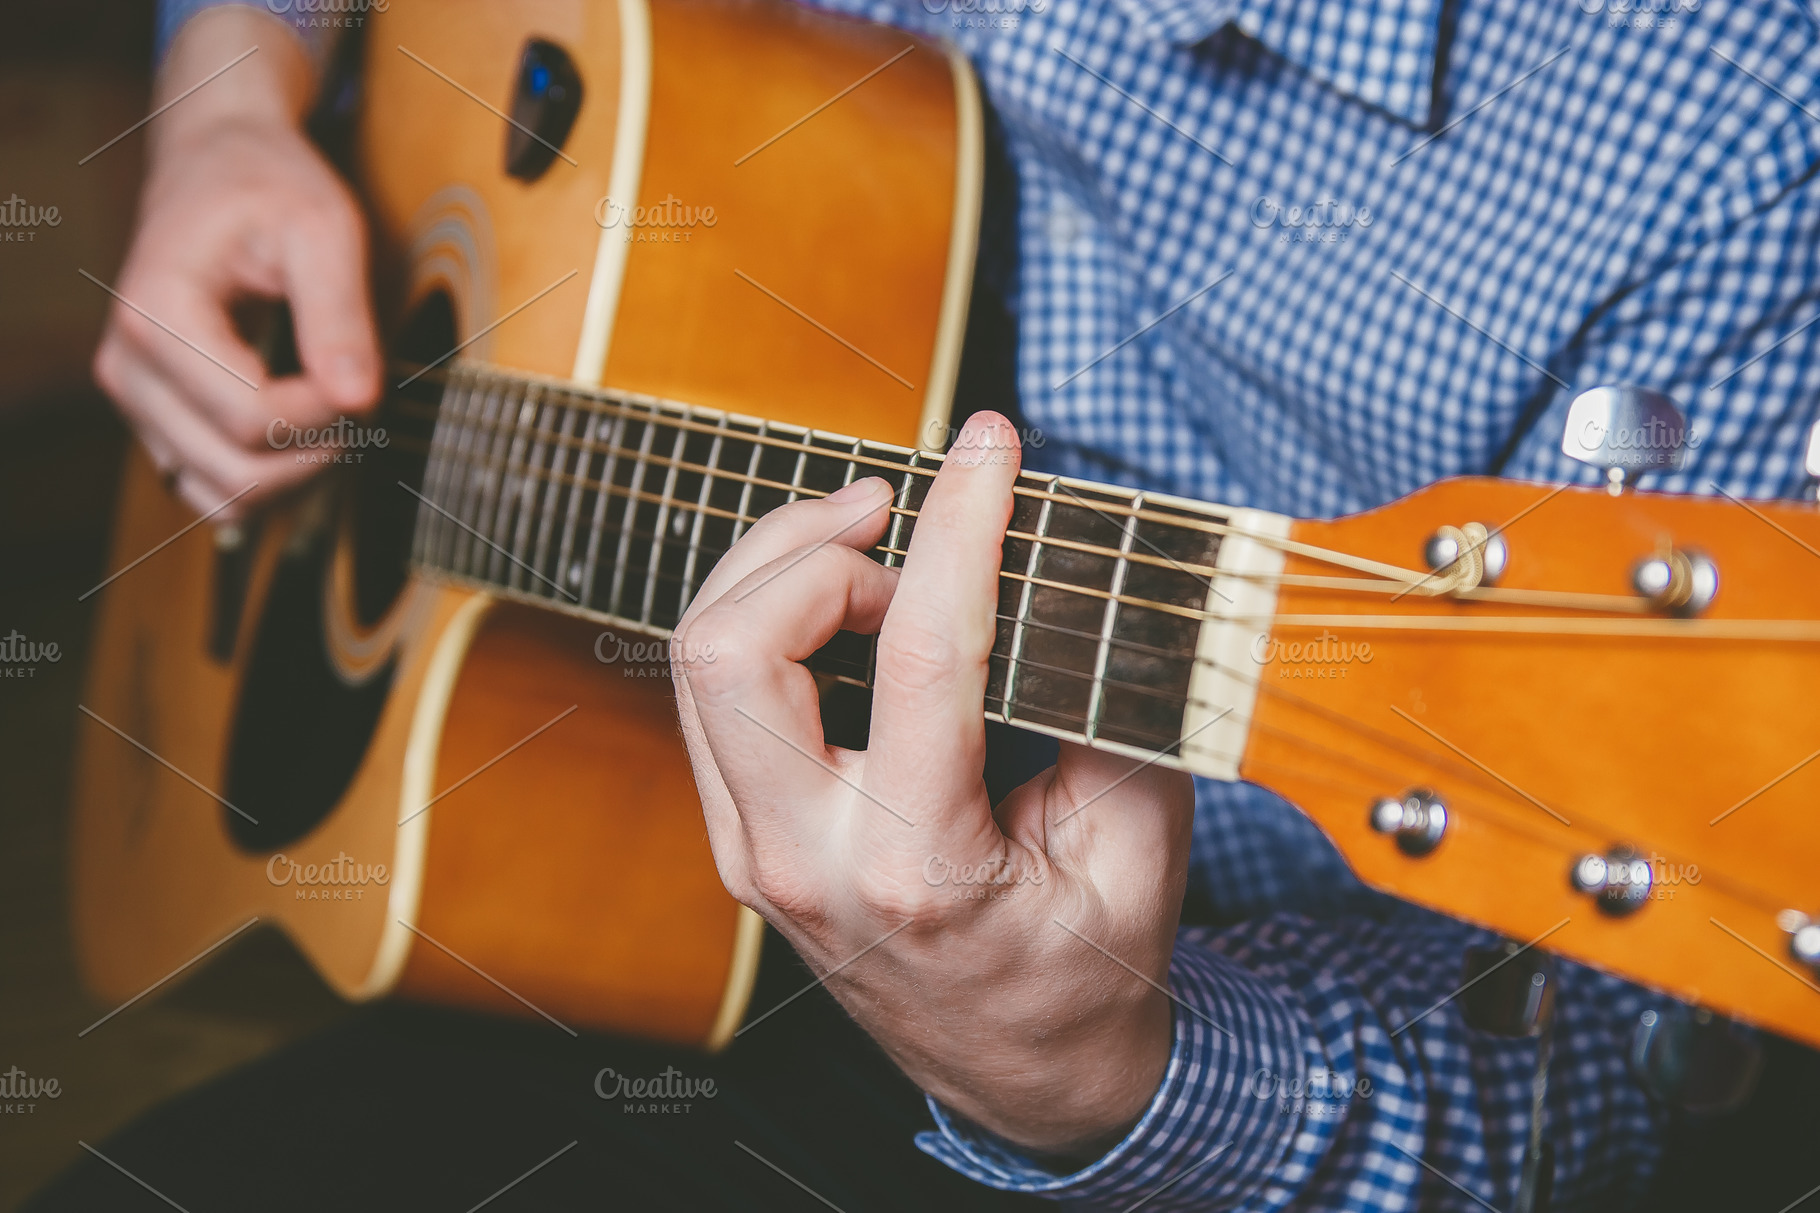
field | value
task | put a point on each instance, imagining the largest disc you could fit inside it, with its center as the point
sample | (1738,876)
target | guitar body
(434,792)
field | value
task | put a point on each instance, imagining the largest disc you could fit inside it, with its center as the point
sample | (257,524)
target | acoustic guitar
(419,717)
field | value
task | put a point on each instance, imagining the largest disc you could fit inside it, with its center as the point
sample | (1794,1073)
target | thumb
(325,282)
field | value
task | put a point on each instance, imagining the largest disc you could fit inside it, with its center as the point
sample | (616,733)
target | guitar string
(1786,630)
(601,405)
(1554,599)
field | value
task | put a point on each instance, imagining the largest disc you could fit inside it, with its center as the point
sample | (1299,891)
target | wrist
(272,87)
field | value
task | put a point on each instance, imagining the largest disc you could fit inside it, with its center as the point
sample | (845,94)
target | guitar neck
(1124,618)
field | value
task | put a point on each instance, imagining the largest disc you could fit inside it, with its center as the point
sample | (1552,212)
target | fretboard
(616,506)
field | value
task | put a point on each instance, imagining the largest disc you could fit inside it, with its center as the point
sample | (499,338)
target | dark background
(73,74)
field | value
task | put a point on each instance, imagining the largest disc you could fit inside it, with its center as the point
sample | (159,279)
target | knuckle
(720,631)
(109,368)
(917,657)
(788,895)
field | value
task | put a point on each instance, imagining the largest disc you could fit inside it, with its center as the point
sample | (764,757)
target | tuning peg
(1625,429)
(1813,456)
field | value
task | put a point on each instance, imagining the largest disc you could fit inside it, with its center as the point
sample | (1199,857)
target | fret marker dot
(575,573)
(678,524)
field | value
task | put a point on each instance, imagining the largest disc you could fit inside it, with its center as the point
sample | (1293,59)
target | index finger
(929,686)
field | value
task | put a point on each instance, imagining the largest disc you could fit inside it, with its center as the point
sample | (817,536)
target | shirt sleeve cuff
(1206,1135)
(317,31)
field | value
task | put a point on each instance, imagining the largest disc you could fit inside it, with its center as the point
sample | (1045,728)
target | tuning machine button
(1418,821)
(1619,881)
(1625,430)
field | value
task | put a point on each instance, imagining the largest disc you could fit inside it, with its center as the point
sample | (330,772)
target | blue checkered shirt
(1310,255)
(1313,255)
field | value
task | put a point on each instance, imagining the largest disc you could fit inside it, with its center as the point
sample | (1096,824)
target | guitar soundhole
(300,730)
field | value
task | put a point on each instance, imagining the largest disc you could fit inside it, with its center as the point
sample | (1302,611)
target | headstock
(1610,744)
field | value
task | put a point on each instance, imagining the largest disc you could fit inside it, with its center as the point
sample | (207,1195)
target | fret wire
(1160,743)
(695,528)
(467,543)
(496,507)
(571,509)
(796,476)
(461,469)
(531,482)
(635,487)
(552,498)
(901,520)
(436,467)
(1096,696)
(1138,688)
(852,464)
(439,534)
(583,586)
(474,512)
(511,490)
(1026,598)
(664,506)
(751,479)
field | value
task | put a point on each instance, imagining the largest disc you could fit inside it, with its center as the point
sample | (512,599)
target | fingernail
(985,438)
(859,490)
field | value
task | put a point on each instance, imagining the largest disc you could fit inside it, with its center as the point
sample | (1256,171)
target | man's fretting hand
(237,204)
(996,1005)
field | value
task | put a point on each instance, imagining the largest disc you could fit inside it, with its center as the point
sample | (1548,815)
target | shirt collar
(1382,53)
